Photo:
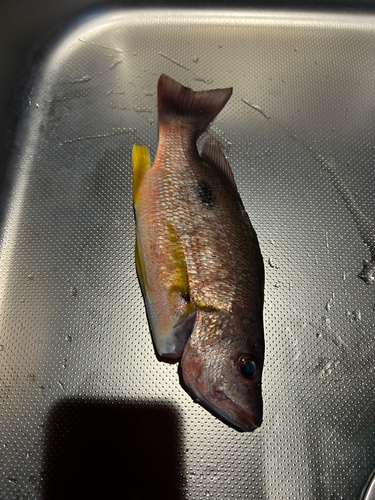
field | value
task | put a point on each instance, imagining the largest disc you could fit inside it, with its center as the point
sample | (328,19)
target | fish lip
(245,417)
(245,423)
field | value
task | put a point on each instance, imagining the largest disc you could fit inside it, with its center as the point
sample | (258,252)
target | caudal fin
(179,103)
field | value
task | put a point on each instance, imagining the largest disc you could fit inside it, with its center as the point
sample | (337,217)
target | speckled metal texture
(87,410)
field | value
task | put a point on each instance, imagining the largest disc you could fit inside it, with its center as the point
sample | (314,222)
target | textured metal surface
(86,408)
(368,492)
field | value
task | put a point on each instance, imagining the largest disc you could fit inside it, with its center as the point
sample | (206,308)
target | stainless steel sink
(87,410)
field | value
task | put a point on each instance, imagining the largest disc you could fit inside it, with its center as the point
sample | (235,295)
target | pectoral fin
(179,282)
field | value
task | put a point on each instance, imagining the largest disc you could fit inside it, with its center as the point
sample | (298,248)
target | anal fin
(141,161)
(140,266)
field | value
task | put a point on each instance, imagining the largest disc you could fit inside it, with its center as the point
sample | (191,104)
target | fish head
(225,376)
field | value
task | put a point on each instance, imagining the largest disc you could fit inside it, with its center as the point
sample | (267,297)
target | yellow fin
(141,161)
(140,266)
(206,307)
(180,281)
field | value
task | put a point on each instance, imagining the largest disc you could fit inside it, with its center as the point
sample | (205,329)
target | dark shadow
(111,450)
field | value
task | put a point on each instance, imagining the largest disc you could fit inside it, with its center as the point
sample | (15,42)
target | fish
(198,259)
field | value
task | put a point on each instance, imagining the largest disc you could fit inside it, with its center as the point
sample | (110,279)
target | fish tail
(179,103)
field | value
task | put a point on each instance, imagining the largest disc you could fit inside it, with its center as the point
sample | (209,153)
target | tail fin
(177,102)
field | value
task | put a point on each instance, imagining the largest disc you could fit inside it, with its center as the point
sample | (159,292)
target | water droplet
(272,263)
(326,237)
(327,322)
(199,78)
(74,291)
(139,108)
(357,315)
(330,302)
(30,277)
(219,137)
(196,59)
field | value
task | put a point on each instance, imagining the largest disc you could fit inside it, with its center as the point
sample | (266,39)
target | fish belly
(164,282)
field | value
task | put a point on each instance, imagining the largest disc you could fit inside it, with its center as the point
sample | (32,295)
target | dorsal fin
(212,154)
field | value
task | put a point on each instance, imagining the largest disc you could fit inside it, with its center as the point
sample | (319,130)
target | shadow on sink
(111,449)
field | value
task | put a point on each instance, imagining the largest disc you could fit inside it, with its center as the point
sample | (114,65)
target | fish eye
(247,366)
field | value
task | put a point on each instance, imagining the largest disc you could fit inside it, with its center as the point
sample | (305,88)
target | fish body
(198,259)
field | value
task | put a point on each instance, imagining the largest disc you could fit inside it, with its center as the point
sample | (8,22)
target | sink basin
(87,410)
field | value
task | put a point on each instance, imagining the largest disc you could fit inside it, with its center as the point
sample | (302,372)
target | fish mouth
(242,419)
(229,412)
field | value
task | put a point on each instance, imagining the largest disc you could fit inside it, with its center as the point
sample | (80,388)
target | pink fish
(198,259)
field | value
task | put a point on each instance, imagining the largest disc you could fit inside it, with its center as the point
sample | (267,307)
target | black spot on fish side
(205,194)
(185,296)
